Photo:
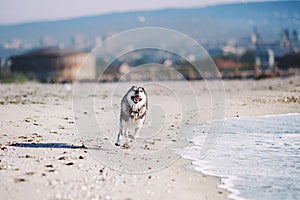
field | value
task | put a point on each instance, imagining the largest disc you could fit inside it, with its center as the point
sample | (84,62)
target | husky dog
(133,113)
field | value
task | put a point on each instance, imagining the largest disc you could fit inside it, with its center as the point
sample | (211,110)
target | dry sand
(43,157)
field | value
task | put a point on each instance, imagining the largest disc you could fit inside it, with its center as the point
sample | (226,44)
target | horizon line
(136,11)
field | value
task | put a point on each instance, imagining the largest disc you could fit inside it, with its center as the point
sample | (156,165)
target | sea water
(256,157)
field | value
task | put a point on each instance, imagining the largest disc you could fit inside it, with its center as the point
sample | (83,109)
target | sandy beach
(43,156)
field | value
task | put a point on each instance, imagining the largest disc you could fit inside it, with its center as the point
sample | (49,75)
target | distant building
(265,59)
(13,44)
(55,65)
(264,65)
(291,60)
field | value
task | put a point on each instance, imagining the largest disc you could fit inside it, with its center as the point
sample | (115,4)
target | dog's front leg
(118,138)
(120,134)
(126,134)
(137,132)
(139,126)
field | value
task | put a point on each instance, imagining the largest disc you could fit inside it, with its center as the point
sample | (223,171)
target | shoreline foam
(227,181)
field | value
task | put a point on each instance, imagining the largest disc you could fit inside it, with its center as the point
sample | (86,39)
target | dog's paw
(125,146)
(117,144)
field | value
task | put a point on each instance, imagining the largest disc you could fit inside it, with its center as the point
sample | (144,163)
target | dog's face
(137,95)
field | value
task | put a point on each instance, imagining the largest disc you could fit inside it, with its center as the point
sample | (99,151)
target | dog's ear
(132,87)
(146,97)
(144,90)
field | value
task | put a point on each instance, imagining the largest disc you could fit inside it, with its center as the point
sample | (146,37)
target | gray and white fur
(134,106)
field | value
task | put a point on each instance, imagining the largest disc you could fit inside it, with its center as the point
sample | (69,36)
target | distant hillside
(210,23)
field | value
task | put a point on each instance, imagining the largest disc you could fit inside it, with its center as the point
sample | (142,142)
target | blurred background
(48,40)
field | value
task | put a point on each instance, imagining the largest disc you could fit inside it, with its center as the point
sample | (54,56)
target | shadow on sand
(48,145)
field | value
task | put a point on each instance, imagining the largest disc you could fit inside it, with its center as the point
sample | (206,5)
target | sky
(21,11)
